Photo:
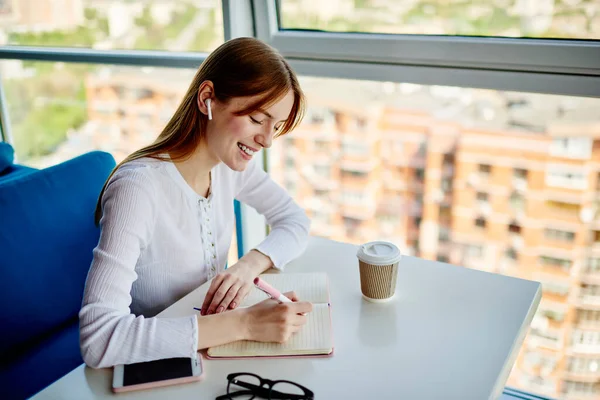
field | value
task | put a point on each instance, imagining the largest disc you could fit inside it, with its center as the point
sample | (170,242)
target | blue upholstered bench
(47,235)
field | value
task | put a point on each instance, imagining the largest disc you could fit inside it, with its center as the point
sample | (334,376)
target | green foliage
(45,107)
(206,36)
(45,128)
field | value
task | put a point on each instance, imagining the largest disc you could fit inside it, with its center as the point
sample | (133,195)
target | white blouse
(160,240)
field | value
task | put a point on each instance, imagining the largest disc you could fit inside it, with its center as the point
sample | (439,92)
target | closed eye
(256,121)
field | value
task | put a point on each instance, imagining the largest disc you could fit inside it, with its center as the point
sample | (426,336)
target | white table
(449,333)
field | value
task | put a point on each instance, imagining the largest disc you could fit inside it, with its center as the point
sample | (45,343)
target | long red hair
(238,68)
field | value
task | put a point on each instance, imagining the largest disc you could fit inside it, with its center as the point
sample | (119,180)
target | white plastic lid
(379,253)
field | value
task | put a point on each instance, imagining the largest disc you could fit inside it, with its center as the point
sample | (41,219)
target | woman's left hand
(229,288)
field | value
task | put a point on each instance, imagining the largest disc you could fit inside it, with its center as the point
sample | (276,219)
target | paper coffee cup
(378,266)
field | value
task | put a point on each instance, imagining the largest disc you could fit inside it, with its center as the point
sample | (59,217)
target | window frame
(518,64)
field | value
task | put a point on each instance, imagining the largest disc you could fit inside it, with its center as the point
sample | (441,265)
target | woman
(166,218)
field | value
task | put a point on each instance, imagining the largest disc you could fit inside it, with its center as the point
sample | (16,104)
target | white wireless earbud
(207,102)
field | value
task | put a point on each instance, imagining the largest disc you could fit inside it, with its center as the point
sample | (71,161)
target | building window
(520,173)
(588,316)
(583,365)
(446,184)
(555,287)
(321,144)
(444,235)
(517,201)
(593,265)
(572,147)
(419,174)
(511,254)
(587,389)
(484,169)
(474,251)
(559,235)
(480,222)
(555,262)
(564,176)
(482,197)
(443,258)
(514,228)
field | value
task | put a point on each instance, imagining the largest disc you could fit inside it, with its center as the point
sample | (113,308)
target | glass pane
(59,110)
(573,19)
(460,175)
(148,25)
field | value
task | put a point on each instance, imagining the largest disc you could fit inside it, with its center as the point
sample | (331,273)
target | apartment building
(524,204)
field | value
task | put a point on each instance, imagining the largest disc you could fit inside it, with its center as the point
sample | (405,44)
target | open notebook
(315,338)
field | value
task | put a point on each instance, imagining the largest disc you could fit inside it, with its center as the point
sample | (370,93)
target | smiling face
(233,139)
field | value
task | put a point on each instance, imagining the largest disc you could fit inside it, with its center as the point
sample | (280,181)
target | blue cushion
(43,364)
(7,156)
(14,171)
(47,234)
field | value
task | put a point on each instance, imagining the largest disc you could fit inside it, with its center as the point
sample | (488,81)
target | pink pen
(270,291)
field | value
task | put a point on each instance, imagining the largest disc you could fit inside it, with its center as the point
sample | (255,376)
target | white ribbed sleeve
(109,333)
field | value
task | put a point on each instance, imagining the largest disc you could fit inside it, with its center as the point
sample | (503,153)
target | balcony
(358,166)
(516,240)
(519,184)
(582,376)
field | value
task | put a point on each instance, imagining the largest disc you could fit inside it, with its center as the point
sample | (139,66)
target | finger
(211,293)
(240,296)
(231,293)
(301,307)
(298,320)
(291,295)
(219,295)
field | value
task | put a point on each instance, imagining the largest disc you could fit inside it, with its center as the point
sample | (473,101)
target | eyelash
(276,128)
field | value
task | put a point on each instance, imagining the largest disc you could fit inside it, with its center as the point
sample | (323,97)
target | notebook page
(310,286)
(313,338)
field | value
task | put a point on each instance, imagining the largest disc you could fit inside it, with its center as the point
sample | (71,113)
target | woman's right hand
(269,321)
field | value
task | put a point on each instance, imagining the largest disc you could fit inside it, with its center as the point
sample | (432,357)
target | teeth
(246,150)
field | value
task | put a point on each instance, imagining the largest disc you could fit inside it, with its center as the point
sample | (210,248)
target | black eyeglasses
(256,387)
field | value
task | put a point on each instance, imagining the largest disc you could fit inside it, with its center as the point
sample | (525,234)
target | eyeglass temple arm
(234,394)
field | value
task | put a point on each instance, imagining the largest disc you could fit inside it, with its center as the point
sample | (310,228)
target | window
(583,365)
(149,25)
(591,317)
(482,197)
(480,222)
(484,169)
(559,235)
(438,17)
(555,287)
(587,389)
(444,234)
(514,229)
(564,176)
(419,174)
(399,104)
(512,254)
(322,171)
(555,262)
(355,148)
(593,265)
(517,202)
(520,173)
(572,147)
(474,251)
(321,145)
